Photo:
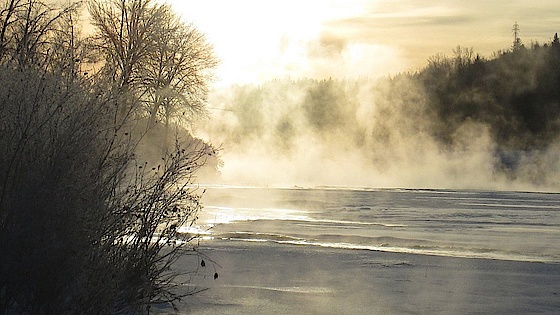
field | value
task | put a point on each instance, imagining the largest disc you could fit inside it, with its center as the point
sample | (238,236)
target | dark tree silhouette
(87,226)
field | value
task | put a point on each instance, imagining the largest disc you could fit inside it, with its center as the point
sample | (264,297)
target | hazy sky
(260,40)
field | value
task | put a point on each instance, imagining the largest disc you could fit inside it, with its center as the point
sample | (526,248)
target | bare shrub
(86,225)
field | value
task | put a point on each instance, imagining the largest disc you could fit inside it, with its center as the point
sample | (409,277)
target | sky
(258,40)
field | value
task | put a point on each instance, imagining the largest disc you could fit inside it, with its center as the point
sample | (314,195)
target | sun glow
(262,40)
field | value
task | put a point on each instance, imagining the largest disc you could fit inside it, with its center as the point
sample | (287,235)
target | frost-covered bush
(86,224)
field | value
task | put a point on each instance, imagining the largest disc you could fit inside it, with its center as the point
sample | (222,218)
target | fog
(270,135)
(330,109)
(272,141)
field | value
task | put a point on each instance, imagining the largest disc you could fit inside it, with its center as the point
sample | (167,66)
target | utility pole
(516,40)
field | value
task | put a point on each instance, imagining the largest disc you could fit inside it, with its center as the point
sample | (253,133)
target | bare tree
(124,33)
(176,73)
(155,57)
(463,57)
(26,29)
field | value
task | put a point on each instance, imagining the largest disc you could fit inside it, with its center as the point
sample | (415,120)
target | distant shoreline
(365,188)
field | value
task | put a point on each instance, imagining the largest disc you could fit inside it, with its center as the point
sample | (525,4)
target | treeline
(89,222)
(516,94)
(511,99)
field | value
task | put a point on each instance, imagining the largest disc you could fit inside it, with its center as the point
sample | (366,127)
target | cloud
(327,45)
(421,29)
